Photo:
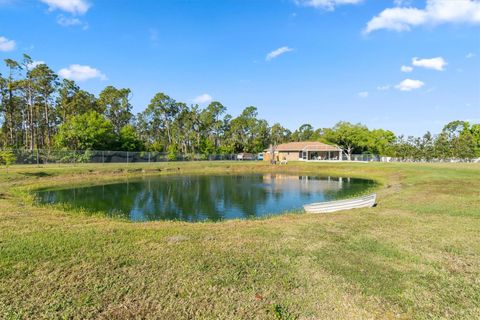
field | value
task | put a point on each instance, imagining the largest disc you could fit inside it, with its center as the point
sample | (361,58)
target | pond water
(202,197)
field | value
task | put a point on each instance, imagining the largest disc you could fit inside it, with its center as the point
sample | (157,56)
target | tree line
(41,111)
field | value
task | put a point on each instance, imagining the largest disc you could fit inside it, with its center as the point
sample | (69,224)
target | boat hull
(332,206)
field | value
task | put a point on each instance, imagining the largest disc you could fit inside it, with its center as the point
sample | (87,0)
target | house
(303,151)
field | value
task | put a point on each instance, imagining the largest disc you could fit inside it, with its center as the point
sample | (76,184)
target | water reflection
(198,198)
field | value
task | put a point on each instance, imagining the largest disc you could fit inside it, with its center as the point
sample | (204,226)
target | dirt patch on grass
(177,239)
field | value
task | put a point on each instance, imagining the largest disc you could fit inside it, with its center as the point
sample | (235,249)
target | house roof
(306,146)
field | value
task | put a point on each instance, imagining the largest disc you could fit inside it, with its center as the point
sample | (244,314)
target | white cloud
(68,21)
(34,63)
(437,63)
(81,73)
(325,4)
(203,98)
(77,7)
(435,12)
(409,85)
(278,52)
(400,3)
(384,88)
(470,55)
(406,69)
(398,19)
(363,94)
(6,44)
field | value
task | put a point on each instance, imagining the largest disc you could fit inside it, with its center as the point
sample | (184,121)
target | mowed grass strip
(416,255)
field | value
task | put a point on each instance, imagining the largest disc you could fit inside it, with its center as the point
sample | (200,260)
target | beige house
(304,151)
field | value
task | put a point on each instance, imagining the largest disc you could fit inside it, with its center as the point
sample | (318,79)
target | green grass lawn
(415,255)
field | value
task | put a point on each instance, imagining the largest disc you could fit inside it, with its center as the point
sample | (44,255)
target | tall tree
(156,121)
(65,102)
(3,102)
(29,91)
(116,106)
(212,126)
(351,137)
(260,136)
(241,133)
(460,139)
(304,133)
(475,129)
(184,128)
(72,101)
(45,82)
(11,103)
(278,134)
(379,141)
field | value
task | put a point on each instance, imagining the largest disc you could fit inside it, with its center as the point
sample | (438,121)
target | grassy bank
(416,255)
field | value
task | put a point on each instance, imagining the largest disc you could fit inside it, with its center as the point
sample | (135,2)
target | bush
(172,152)
(8,158)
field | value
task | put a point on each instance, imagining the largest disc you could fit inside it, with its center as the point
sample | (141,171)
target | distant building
(304,151)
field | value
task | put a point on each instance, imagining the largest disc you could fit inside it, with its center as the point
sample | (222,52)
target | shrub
(8,158)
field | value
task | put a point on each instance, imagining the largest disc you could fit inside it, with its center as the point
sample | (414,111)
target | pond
(201,197)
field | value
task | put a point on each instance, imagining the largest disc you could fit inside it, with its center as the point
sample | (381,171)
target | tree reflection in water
(201,197)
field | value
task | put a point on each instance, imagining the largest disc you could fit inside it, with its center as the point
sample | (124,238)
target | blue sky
(297,61)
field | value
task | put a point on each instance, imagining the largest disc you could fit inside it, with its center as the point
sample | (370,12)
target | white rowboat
(332,206)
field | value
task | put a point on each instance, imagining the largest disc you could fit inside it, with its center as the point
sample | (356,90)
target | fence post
(148,157)
(74,157)
(103,157)
(38,159)
(127,157)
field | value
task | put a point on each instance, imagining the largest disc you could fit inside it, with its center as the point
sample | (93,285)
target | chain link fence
(43,156)
(433,160)
(95,156)
(361,157)
(377,158)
